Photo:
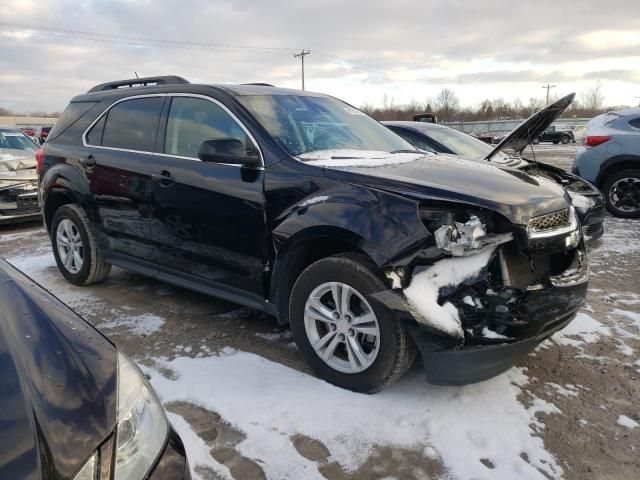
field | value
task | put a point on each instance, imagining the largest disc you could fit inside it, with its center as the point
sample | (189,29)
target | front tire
(77,254)
(622,193)
(347,337)
(536,141)
(564,139)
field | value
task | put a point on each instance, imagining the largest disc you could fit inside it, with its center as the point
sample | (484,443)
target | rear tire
(536,141)
(565,139)
(385,360)
(77,254)
(622,193)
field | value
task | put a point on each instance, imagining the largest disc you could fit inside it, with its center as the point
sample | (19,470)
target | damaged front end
(483,292)
(18,190)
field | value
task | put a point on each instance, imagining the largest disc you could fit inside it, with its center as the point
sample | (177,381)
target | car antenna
(136,74)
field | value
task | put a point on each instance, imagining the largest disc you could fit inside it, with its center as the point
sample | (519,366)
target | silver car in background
(18,177)
(610,159)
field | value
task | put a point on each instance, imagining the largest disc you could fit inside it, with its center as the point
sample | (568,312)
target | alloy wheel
(342,327)
(70,247)
(625,194)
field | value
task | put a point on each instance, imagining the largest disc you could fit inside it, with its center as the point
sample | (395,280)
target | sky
(360,50)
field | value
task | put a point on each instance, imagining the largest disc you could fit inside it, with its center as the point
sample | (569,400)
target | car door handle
(165,179)
(88,161)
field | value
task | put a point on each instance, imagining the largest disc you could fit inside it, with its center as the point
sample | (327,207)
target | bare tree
(592,98)
(518,106)
(446,104)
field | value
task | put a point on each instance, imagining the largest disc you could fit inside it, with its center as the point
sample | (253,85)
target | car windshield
(460,143)
(16,140)
(304,124)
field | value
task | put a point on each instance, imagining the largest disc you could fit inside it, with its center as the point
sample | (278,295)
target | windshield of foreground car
(304,124)
(16,140)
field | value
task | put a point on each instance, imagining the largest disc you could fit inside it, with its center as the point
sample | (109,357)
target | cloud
(359,49)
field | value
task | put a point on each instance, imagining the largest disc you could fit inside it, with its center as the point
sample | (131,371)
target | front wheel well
(615,167)
(54,201)
(290,266)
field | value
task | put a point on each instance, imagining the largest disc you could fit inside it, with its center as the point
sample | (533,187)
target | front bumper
(592,219)
(20,208)
(550,311)
(508,324)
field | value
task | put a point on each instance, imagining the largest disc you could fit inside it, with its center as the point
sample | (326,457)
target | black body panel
(58,398)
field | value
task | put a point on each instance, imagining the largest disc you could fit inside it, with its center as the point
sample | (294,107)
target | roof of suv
(115,89)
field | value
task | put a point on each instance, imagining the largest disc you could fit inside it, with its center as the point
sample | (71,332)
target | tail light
(595,140)
(39,159)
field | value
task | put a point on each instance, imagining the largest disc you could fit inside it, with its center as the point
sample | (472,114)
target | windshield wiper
(405,150)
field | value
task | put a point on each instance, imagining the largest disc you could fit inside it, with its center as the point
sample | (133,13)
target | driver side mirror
(227,150)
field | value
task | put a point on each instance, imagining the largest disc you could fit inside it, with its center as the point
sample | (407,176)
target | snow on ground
(41,267)
(627,422)
(144,324)
(464,424)
(583,329)
(618,238)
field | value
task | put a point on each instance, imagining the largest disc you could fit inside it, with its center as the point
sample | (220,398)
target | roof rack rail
(259,84)
(139,82)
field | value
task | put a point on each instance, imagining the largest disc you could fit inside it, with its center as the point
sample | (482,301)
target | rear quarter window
(133,124)
(635,123)
(71,114)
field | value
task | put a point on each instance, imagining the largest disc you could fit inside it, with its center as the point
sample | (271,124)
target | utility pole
(548,87)
(301,55)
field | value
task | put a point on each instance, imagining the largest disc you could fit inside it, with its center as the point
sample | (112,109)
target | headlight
(88,470)
(142,425)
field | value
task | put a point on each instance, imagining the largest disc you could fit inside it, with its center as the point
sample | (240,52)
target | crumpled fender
(381,224)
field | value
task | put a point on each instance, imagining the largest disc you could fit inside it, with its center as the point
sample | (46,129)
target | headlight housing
(142,425)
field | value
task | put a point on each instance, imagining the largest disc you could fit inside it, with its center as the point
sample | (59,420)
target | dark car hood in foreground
(519,138)
(515,194)
(58,383)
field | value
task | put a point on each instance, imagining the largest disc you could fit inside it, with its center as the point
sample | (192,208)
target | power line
(163,43)
(301,56)
(126,39)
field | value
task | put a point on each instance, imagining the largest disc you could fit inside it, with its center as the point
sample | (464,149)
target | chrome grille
(550,221)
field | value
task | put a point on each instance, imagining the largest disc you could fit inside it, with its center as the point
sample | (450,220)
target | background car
(29,131)
(18,177)
(555,135)
(72,405)
(586,198)
(42,133)
(610,159)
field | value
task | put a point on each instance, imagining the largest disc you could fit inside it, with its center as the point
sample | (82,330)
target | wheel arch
(306,248)
(61,184)
(614,164)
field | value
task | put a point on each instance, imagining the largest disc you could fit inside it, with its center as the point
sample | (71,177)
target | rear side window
(635,123)
(132,124)
(71,115)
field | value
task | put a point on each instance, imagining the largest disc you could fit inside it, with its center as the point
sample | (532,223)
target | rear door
(120,147)
(206,218)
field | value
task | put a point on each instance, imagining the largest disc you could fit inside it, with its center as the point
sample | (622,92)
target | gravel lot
(247,407)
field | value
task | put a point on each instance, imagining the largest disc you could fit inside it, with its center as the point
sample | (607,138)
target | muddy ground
(584,382)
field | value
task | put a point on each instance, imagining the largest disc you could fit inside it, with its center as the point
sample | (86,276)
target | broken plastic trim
(468,238)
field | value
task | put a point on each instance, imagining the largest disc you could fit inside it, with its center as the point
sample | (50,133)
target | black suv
(301,206)
(555,135)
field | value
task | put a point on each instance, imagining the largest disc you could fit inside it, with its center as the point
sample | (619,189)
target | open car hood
(16,167)
(519,138)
